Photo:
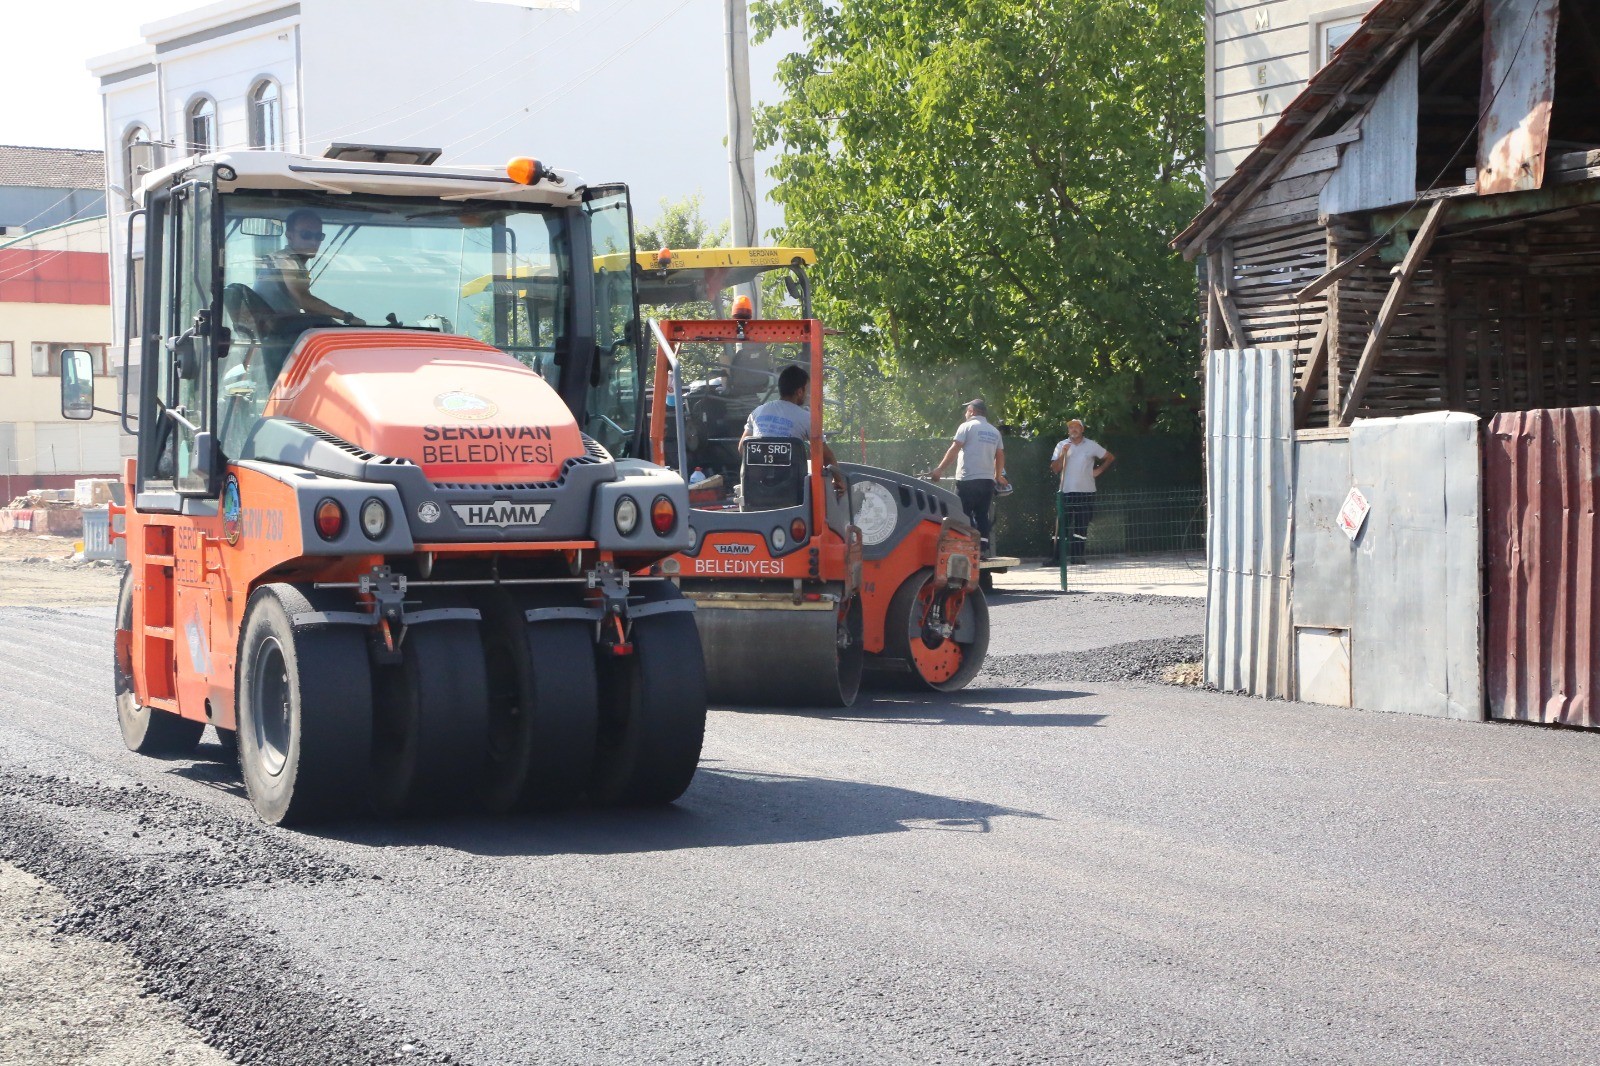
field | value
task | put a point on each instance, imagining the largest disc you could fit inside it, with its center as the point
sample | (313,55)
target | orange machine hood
(458,408)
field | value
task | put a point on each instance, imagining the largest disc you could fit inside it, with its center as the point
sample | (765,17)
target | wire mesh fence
(1150,541)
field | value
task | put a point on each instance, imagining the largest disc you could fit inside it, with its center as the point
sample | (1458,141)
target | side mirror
(77,384)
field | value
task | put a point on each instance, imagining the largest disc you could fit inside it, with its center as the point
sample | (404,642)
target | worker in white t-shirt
(980,456)
(787,416)
(1079,461)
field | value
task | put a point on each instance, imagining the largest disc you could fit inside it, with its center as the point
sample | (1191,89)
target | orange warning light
(664,258)
(743,308)
(525,170)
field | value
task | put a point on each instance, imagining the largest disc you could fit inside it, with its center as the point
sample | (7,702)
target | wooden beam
(1469,13)
(1342,270)
(1312,374)
(1391,310)
(1221,275)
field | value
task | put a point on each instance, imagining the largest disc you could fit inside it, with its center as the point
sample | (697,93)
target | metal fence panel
(1417,604)
(1542,663)
(1324,558)
(1250,482)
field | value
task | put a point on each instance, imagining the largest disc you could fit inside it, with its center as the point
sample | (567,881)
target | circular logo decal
(465,405)
(428,511)
(230,510)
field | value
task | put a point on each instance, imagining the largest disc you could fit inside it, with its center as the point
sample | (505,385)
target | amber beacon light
(525,170)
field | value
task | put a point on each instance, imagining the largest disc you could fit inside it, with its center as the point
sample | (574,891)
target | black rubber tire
(897,635)
(430,726)
(146,730)
(544,705)
(652,711)
(304,699)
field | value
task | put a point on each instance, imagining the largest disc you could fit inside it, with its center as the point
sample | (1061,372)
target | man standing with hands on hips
(980,456)
(1079,461)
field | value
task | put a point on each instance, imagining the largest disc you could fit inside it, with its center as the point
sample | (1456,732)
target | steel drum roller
(781,655)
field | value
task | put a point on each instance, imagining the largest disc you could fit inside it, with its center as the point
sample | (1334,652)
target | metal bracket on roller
(645,610)
(615,626)
(389,617)
(564,614)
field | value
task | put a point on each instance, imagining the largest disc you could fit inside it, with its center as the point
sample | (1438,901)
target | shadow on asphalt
(970,706)
(723,808)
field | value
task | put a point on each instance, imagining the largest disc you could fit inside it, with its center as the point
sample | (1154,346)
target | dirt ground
(74,1000)
(36,570)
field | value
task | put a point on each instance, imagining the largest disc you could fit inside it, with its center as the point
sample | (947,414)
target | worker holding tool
(980,457)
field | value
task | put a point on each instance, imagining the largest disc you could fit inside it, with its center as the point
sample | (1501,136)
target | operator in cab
(284,277)
(787,416)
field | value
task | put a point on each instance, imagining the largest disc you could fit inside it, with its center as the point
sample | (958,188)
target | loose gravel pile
(1137,660)
(151,883)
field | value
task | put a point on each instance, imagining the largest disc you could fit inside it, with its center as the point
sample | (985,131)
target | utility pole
(741,138)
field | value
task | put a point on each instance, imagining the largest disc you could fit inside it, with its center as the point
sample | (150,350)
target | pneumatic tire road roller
(397,565)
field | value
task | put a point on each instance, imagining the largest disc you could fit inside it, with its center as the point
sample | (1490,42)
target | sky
(51,100)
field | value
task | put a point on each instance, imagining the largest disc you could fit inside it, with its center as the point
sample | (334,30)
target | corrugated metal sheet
(1250,482)
(1519,81)
(1324,557)
(1381,168)
(1415,628)
(1539,501)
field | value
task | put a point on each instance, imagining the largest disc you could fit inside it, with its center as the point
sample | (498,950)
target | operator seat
(772,471)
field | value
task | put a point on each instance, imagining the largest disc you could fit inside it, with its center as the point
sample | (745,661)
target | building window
(138,156)
(202,118)
(1333,33)
(266,115)
(8,359)
(47,358)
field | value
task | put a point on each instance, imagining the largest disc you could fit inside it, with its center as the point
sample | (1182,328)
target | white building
(1259,55)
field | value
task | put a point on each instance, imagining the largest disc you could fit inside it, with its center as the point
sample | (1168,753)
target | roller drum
(773,657)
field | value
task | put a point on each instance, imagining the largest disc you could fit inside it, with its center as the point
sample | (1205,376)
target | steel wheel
(942,662)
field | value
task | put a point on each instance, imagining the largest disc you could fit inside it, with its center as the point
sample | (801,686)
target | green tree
(990,187)
(681,224)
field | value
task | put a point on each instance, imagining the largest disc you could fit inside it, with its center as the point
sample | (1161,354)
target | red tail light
(797,530)
(663,515)
(330,519)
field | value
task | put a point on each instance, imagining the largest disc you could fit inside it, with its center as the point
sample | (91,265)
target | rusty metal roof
(52,168)
(1350,67)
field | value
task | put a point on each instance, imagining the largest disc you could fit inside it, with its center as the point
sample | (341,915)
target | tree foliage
(991,186)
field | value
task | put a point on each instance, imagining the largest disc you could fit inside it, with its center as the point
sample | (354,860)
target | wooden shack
(1402,286)
(1422,225)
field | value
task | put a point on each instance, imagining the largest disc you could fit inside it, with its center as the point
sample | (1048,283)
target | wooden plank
(1311,163)
(1466,18)
(1286,189)
(1312,375)
(1281,213)
(1390,311)
(1332,140)
(1316,288)
(1221,277)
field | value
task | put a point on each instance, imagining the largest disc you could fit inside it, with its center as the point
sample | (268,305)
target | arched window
(202,119)
(138,156)
(266,115)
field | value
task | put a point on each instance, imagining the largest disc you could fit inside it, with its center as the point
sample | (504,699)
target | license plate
(778,453)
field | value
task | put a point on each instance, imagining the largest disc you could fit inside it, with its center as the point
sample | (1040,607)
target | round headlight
(780,539)
(374,518)
(627,515)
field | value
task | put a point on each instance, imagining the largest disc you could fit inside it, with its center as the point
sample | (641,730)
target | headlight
(627,515)
(780,539)
(374,518)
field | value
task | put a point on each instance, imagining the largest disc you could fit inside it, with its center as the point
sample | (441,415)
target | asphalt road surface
(1044,868)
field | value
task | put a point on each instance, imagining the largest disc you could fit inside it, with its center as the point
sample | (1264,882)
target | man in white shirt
(787,416)
(1079,461)
(980,455)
